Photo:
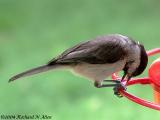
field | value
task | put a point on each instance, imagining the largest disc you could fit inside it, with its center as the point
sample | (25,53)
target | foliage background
(34,31)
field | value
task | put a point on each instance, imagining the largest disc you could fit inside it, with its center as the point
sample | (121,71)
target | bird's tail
(33,71)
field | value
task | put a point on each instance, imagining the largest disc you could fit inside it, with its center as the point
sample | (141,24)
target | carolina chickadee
(99,58)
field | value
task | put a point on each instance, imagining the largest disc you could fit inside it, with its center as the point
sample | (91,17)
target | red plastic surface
(154,74)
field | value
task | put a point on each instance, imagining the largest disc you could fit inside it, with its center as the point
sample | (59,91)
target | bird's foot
(119,86)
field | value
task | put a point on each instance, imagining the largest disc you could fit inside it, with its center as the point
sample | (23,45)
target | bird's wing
(97,51)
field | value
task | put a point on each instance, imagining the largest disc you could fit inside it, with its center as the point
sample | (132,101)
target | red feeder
(154,74)
(153,79)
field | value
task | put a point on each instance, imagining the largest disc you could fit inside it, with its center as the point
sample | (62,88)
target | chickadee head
(137,62)
(143,61)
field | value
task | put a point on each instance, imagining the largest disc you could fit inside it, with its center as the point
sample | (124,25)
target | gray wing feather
(98,51)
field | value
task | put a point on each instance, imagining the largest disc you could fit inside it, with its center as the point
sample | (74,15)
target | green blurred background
(34,31)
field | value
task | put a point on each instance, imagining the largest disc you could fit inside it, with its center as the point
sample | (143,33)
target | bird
(97,59)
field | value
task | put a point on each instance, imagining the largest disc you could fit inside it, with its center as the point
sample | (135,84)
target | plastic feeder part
(154,74)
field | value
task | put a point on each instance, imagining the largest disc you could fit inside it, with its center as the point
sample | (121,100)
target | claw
(117,88)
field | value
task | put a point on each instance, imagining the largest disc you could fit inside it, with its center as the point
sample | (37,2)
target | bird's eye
(131,61)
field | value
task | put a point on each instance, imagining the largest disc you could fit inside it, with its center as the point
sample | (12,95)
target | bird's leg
(117,85)
(114,81)
(98,84)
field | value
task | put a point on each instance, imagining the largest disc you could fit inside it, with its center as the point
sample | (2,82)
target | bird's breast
(98,71)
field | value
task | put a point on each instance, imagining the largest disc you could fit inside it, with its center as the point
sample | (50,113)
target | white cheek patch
(135,55)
